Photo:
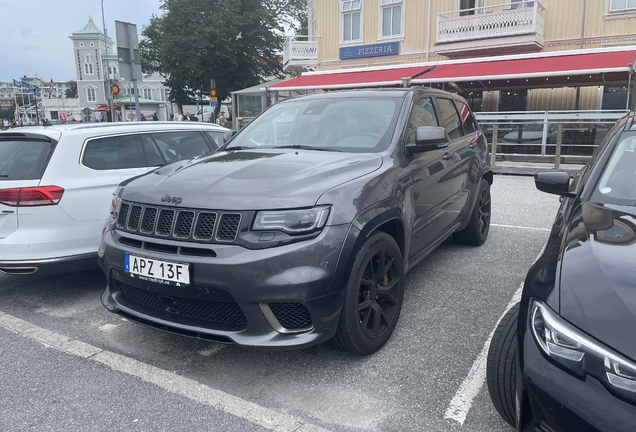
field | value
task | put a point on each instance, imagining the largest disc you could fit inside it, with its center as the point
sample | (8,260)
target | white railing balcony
(298,54)
(510,19)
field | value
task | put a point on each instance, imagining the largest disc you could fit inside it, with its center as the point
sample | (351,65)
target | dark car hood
(249,180)
(598,275)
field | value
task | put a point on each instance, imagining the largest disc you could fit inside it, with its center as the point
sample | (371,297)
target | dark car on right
(564,358)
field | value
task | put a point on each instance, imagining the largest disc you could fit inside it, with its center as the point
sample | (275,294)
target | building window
(88,65)
(391,17)
(54,115)
(518,4)
(351,11)
(91,96)
(162,94)
(147,93)
(622,5)
(469,7)
(312,17)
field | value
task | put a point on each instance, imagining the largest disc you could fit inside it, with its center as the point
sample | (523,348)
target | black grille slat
(148,220)
(123,215)
(229,313)
(135,218)
(183,227)
(205,226)
(292,316)
(186,224)
(164,225)
(228,227)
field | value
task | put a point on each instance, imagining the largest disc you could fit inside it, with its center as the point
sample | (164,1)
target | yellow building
(376,35)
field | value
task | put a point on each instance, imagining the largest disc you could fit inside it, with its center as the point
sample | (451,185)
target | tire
(373,298)
(476,233)
(501,366)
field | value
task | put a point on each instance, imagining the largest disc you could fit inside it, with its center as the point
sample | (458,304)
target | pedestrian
(221,120)
(154,117)
(229,114)
(178,116)
(46,122)
(143,117)
(5,124)
(186,115)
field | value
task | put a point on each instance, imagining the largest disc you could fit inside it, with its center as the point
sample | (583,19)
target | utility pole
(107,92)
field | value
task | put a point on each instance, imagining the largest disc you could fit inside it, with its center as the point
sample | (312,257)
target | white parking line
(520,227)
(463,400)
(169,381)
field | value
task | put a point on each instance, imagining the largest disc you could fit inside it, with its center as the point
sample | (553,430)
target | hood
(598,275)
(251,180)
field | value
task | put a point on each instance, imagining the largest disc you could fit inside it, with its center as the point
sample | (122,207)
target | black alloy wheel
(373,298)
(476,233)
(377,296)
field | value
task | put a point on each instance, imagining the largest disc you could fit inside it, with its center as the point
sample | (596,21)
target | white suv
(56,184)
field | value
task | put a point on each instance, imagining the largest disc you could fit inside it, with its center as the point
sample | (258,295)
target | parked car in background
(564,359)
(301,229)
(56,184)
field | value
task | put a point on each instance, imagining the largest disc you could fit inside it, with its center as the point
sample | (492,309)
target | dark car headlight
(579,354)
(299,221)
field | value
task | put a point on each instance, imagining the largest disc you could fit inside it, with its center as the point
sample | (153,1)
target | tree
(236,42)
(71,92)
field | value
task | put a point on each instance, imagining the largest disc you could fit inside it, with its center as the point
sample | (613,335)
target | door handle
(472,145)
(446,156)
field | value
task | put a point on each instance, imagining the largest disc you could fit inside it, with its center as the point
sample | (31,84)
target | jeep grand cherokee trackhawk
(302,227)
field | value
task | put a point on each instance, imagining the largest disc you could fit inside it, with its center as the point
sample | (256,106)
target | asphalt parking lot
(68,364)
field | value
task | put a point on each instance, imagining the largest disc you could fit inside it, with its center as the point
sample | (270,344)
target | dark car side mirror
(553,182)
(428,138)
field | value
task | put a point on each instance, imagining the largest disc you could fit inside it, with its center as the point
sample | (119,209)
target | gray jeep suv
(301,229)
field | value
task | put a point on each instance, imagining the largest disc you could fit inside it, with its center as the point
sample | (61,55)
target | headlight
(292,221)
(115,204)
(581,355)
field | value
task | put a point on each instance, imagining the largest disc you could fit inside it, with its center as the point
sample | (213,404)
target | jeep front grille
(179,224)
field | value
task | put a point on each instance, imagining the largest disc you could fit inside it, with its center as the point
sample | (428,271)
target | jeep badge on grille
(171,199)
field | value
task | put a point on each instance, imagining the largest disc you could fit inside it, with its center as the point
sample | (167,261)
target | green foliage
(235,42)
(70,92)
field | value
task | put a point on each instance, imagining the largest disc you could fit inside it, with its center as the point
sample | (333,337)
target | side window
(217,138)
(117,152)
(423,114)
(176,146)
(468,121)
(449,119)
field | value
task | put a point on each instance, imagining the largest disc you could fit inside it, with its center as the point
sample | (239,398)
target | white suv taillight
(31,196)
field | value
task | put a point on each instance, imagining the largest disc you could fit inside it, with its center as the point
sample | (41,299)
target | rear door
(23,159)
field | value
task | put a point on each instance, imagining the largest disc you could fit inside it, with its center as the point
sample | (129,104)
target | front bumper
(233,296)
(557,399)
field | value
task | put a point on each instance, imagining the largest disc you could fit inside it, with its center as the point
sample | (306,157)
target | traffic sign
(115,89)
(214,104)
(213,93)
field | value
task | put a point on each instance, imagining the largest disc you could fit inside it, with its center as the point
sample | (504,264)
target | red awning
(357,79)
(105,107)
(540,71)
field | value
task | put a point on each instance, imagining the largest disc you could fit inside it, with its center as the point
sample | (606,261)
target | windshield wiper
(306,147)
(239,148)
(4,175)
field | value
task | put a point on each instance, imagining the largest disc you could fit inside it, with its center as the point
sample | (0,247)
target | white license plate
(155,270)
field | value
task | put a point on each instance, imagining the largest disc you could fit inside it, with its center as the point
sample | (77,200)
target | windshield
(618,182)
(363,125)
(23,159)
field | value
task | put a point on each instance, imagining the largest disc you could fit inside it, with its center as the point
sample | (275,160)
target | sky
(34,35)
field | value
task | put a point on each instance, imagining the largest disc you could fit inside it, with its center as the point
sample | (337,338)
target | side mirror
(428,138)
(228,135)
(553,182)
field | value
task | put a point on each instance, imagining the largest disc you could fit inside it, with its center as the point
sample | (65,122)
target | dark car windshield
(353,124)
(23,159)
(618,182)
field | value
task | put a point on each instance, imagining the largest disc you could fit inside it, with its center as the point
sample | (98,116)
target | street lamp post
(107,92)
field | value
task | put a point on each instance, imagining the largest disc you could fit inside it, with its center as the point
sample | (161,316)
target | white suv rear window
(23,159)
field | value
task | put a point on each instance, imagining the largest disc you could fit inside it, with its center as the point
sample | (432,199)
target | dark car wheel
(501,366)
(476,233)
(374,295)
